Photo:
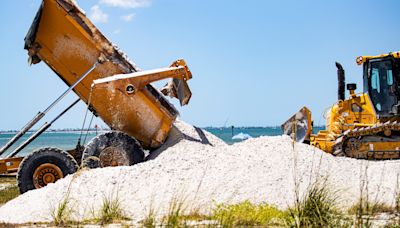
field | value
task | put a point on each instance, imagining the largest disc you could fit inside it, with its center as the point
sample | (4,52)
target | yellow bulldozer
(113,88)
(365,125)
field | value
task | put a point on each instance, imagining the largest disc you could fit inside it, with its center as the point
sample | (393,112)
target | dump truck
(364,125)
(113,88)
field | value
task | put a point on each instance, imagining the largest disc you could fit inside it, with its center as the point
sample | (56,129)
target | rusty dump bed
(65,39)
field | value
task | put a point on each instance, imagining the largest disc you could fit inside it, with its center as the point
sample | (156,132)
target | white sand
(259,170)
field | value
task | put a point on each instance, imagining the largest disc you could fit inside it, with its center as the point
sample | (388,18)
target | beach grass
(150,220)
(365,207)
(248,214)
(8,193)
(111,210)
(61,214)
(10,189)
(175,216)
(317,208)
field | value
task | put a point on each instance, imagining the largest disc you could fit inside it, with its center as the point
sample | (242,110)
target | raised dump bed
(109,83)
(65,39)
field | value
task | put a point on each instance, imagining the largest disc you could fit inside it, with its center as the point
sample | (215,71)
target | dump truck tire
(112,149)
(44,166)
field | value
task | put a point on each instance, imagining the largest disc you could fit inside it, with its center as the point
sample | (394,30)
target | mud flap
(299,125)
(179,89)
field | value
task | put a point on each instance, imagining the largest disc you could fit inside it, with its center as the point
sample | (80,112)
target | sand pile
(201,170)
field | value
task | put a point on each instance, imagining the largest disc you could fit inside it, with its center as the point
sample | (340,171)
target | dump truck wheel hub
(45,174)
(113,156)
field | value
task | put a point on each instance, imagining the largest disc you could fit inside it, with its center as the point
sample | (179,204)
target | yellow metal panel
(345,116)
(70,44)
(362,59)
(10,165)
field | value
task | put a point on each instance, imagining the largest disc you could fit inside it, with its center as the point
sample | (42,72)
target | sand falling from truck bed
(198,169)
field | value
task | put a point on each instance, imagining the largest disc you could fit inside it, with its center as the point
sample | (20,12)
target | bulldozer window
(381,80)
(375,82)
(389,77)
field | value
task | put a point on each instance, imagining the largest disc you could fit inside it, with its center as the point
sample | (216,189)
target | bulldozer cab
(381,82)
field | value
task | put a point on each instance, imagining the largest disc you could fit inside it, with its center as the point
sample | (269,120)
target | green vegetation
(241,214)
(10,190)
(248,214)
(8,193)
(150,220)
(61,215)
(175,216)
(195,215)
(364,211)
(316,209)
(111,211)
(364,207)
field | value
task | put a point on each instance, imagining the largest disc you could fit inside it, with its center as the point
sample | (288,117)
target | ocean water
(228,134)
(68,140)
(239,134)
(62,140)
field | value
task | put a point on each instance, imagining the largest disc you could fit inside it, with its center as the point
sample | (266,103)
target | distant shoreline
(56,131)
(105,130)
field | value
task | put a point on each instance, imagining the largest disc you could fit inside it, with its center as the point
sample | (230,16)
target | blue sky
(254,63)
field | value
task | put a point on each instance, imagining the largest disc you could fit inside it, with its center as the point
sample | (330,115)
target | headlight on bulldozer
(359,60)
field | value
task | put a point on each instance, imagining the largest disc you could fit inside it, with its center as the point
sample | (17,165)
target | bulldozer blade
(299,126)
(179,89)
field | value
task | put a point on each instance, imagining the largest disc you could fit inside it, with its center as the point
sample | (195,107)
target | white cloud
(97,15)
(117,31)
(126,3)
(128,17)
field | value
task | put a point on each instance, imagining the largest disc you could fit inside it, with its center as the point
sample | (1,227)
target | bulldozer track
(339,148)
